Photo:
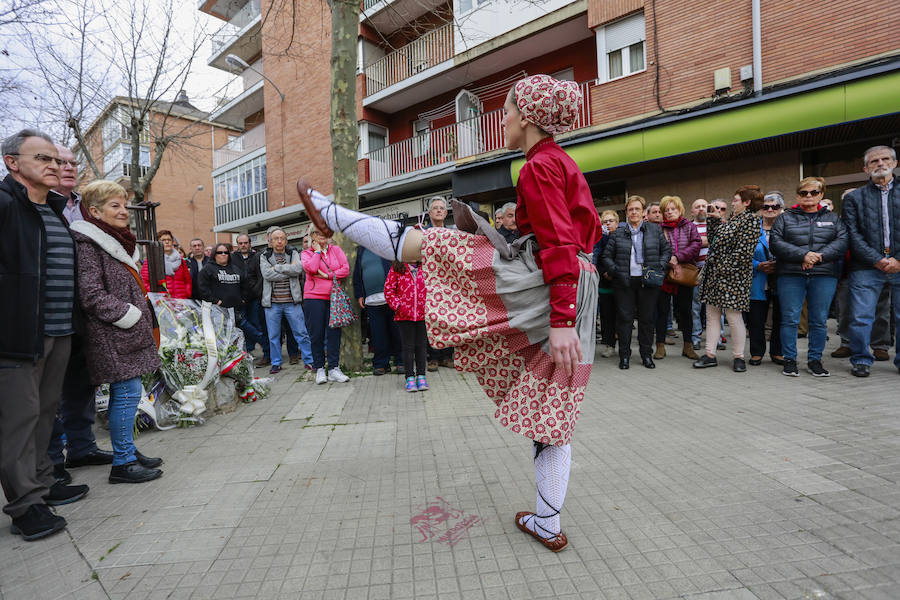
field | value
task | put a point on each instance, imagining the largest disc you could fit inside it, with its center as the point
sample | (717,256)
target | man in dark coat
(196,261)
(872,217)
(37,318)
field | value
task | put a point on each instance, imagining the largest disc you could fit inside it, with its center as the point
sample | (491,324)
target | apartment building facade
(680,97)
(182,185)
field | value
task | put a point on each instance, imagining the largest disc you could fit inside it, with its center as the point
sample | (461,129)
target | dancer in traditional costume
(521,316)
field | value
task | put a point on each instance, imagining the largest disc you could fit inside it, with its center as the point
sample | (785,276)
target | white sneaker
(607,351)
(337,376)
(321,377)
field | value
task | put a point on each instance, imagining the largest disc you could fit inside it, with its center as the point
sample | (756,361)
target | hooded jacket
(23,272)
(405,294)
(118,324)
(796,232)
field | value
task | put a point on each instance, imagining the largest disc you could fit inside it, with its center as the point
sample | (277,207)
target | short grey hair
(13,143)
(434,199)
(272,230)
(867,153)
(506,207)
(775,196)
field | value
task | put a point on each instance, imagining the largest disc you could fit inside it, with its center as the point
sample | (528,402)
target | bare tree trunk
(344,141)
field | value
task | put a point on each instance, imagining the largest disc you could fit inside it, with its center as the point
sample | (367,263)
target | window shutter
(625,32)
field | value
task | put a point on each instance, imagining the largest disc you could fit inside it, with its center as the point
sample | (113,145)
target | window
(467,5)
(620,48)
(420,137)
(564,75)
(244,181)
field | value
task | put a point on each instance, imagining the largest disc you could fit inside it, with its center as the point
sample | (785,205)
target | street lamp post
(239,63)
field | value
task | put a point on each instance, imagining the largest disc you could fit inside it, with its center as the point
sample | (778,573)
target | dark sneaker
(61,475)
(739,366)
(790,368)
(859,370)
(816,369)
(706,361)
(275,369)
(37,522)
(61,493)
(132,472)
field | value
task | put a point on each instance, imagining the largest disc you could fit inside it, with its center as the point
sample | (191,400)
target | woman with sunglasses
(809,242)
(763,294)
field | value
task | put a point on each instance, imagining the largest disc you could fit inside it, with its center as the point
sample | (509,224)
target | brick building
(681,97)
(183,208)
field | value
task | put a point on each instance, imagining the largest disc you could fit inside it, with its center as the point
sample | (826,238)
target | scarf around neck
(173,261)
(123,236)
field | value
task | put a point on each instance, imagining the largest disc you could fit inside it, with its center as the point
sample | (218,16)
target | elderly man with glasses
(37,318)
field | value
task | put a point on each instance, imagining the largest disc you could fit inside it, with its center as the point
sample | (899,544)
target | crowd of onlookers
(79,315)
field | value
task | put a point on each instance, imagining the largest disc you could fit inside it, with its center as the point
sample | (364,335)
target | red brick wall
(296,56)
(601,12)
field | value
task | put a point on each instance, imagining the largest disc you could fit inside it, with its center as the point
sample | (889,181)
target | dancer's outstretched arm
(387,239)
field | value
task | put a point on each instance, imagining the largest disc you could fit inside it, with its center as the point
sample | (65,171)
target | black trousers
(683,298)
(756,330)
(414,345)
(606,307)
(631,300)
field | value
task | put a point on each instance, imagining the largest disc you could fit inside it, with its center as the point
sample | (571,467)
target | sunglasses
(770,207)
(222,252)
(810,193)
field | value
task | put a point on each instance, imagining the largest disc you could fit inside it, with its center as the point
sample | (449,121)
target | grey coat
(118,325)
(272,271)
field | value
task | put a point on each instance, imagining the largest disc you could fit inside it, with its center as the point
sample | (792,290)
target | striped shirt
(59,291)
(281,290)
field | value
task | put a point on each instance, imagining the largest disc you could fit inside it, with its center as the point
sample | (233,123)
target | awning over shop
(813,106)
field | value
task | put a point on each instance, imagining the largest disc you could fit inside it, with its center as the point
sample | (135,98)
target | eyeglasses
(810,193)
(222,252)
(42,158)
(719,208)
(770,207)
(72,163)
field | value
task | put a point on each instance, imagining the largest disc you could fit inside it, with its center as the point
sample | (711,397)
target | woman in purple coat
(684,239)
(118,321)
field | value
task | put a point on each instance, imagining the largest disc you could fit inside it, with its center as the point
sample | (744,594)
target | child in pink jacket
(404,291)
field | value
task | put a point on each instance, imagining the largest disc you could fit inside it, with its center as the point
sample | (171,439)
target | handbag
(154,323)
(652,276)
(684,274)
(340,313)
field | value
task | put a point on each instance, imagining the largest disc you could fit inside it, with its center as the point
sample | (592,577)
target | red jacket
(405,294)
(177,285)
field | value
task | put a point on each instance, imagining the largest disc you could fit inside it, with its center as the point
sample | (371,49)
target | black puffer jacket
(796,232)
(617,254)
(865,228)
(23,272)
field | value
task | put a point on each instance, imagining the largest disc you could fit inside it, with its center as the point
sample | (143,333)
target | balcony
(242,208)
(241,35)
(450,143)
(430,50)
(387,16)
(241,146)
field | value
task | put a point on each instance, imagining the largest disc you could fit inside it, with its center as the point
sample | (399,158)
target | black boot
(146,461)
(132,472)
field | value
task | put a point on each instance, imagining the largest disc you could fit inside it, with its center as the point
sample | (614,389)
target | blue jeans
(252,333)
(294,315)
(253,313)
(385,336)
(817,290)
(76,410)
(865,287)
(124,397)
(317,314)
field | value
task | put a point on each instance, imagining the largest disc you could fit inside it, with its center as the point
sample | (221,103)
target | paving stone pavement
(704,485)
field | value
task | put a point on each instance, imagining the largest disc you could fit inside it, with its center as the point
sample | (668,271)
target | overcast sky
(204,85)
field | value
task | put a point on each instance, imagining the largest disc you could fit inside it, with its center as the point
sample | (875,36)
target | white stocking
(383,237)
(551,473)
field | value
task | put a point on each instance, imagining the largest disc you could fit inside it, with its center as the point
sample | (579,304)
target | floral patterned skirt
(495,312)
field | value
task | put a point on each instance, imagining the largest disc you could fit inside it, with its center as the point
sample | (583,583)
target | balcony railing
(429,50)
(253,139)
(367,4)
(229,32)
(242,208)
(471,137)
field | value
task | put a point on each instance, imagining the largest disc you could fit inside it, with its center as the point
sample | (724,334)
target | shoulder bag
(683,274)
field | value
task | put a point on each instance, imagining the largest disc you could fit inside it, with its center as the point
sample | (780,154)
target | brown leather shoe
(432,365)
(842,352)
(554,544)
(312,212)
(660,351)
(881,354)
(688,351)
